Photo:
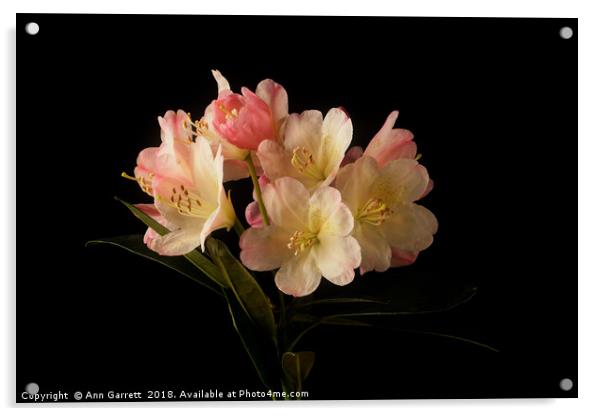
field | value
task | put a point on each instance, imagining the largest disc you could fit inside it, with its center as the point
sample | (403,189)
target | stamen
(374,212)
(300,240)
(303,161)
(125,175)
(230,114)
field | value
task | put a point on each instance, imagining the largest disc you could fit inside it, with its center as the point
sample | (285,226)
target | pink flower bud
(244,120)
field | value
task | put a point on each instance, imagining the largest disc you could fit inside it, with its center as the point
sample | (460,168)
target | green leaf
(407,307)
(195,257)
(260,349)
(247,291)
(134,244)
(302,303)
(296,367)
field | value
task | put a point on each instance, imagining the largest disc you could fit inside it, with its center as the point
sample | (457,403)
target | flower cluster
(320,208)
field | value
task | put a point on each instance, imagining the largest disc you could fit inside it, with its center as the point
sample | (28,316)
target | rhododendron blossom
(312,148)
(185,178)
(386,145)
(308,237)
(387,221)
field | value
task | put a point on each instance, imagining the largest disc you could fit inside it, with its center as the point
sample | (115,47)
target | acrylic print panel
(488,307)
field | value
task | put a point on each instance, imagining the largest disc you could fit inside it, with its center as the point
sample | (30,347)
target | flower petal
(391,144)
(223,86)
(176,243)
(400,181)
(287,202)
(356,180)
(411,227)
(353,154)
(304,131)
(376,251)
(402,257)
(336,258)
(328,215)
(253,215)
(276,98)
(275,160)
(299,275)
(337,131)
(264,249)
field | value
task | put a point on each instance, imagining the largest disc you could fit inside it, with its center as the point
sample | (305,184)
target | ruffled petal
(264,249)
(276,161)
(402,257)
(353,154)
(401,181)
(337,131)
(223,86)
(299,275)
(276,98)
(356,180)
(176,243)
(391,144)
(304,131)
(376,251)
(253,215)
(337,257)
(287,202)
(411,227)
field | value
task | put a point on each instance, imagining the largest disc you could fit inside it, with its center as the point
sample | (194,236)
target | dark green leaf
(260,349)
(454,299)
(296,366)
(134,244)
(195,257)
(244,286)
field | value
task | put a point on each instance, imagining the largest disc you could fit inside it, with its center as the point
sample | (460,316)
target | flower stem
(238,227)
(257,188)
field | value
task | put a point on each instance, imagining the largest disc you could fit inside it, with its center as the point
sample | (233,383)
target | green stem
(257,188)
(238,227)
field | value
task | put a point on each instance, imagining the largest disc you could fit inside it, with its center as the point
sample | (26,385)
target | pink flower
(248,119)
(185,178)
(308,237)
(386,145)
(312,148)
(389,226)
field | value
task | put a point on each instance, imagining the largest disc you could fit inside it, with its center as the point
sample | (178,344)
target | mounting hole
(566,384)
(32,388)
(32,28)
(566,32)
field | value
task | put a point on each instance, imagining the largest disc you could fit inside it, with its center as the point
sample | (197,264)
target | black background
(492,104)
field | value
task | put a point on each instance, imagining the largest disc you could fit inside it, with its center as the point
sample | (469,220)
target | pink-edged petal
(153,212)
(356,182)
(275,160)
(391,144)
(411,227)
(376,251)
(402,180)
(223,86)
(253,215)
(264,249)
(299,275)
(337,132)
(275,96)
(402,257)
(328,215)
(304,131)
(176,243)
(337,257)
(353,154)
(429,188)
(287,202)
